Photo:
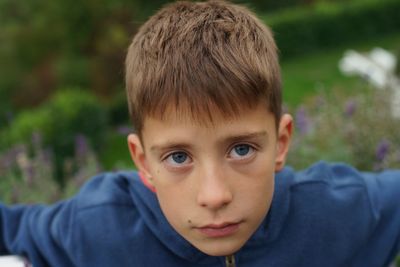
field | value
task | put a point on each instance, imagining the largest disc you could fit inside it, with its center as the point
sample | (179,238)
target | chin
(218,249)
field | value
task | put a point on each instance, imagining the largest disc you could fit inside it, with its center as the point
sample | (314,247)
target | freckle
(189,221)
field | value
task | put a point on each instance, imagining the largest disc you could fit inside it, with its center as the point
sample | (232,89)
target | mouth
(219,230)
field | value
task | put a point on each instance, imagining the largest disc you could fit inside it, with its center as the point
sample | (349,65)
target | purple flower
(302,120)
(7,160)
(382,150)
(29,174)
(350,108)
(81,146)
(47,157)
(36,140)
(320,102)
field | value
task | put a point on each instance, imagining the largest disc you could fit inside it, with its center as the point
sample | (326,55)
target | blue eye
(177,158)
(241,151)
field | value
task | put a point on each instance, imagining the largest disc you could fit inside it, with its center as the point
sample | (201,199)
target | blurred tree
(46,45)
(51,44)
(267,6)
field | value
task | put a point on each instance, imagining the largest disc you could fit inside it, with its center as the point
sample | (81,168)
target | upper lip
(218,225)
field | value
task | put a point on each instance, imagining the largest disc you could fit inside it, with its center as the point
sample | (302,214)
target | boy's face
(214,182)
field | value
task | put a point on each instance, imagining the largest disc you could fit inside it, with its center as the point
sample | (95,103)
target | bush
(24,125)
(118,109)
(302,30)
(74,112)
(361,132)
(65,116)
(273,5)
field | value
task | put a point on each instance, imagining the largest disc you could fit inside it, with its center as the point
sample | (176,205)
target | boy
(204,91)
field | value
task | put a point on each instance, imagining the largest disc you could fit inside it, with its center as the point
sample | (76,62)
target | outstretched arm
(39,233)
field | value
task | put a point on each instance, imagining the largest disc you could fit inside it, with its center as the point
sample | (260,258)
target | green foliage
(118,109)
(75,111)
(25,125)
(73,70)
(397,70)
(301,30)
(116,154)
(273,5)
(46,45)
(68,114)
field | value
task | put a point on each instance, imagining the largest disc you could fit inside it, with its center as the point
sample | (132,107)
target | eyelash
(175,164)
(252,149)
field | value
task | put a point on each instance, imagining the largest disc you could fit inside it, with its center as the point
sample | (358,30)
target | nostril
(214,199)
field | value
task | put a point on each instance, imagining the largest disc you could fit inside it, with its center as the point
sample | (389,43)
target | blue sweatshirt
(327,215)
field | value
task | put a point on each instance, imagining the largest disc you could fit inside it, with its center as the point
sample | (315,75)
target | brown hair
(196,57)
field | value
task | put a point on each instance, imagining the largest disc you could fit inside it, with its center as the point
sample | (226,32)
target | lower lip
(220,232)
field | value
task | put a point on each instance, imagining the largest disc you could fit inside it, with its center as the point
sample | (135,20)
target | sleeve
(384,191)
(42,234)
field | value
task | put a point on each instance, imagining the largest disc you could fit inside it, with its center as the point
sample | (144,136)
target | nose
(214,192)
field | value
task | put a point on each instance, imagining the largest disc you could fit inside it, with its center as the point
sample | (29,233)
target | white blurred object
(378,68)
(13,261)
(383,58)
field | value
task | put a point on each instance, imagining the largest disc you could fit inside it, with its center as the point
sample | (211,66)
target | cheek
(257,185)
(256,200)
(257,191)
(170,206)
(260,173)
(174,202)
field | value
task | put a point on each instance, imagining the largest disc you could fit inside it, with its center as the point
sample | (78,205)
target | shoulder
(342,197)
(337,178)
(345,183)
(105,189)
(334,211)
(332,185)
(330,198)
(333,174)
(102,216)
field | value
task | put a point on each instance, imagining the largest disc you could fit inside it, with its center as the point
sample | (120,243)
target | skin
(213,174)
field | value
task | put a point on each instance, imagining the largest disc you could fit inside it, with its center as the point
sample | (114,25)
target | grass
(307,75)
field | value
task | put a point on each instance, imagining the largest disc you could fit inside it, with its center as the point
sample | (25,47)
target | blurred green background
(63,112)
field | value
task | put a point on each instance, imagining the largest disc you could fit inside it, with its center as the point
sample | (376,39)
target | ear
(283,140)
(138,156)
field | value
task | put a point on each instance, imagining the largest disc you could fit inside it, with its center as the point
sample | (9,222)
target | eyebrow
(226,139)
(238,137)
(170,145)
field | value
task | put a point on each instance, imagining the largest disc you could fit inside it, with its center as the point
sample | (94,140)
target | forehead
(180,122)
(209,115)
